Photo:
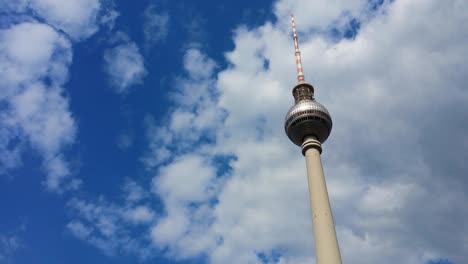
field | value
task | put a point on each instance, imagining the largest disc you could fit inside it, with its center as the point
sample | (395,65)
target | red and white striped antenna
(300,74)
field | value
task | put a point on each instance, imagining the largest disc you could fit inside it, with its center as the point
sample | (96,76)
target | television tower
(308,124)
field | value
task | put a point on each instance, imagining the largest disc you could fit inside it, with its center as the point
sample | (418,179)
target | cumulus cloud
(35,60)
(158,151)
(140,214)
(78,19)
(195,96)
(384,90)
(186,186)
(320,14)
(124,66)
(109,226)
(134,192)
(191,183)
(115,227)
(234,188)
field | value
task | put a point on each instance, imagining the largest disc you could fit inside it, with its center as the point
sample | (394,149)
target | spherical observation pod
(307,118)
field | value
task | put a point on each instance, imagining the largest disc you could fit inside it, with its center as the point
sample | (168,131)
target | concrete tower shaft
(327,250)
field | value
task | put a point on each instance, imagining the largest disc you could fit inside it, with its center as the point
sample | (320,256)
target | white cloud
(232,185)
(43,114)
(22,61)
(187,179)
(197,112)
(156,25)
(157,138)
(198,65)
(124,66)
(36,111)
(384,90)
(134,192)
(186,187)
(108,15)
(77,18)
(140,214)
(34,61)
(109,226)
(79,230)
(317,13)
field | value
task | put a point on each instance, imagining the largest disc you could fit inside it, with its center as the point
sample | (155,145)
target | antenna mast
(300,74)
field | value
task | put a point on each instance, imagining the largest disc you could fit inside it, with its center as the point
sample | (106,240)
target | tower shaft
(326,243)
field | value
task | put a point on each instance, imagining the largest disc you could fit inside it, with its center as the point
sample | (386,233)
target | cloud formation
(320,14)
(124,66)
(233,188)
(34,61)
(77,18)
(389,91)
(110,226)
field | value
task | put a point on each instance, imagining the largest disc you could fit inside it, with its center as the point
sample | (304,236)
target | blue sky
(151,131)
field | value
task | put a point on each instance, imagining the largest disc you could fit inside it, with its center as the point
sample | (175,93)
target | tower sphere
(307,117)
